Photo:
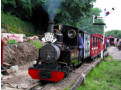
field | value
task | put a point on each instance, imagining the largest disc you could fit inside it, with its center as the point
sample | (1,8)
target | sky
(113,20)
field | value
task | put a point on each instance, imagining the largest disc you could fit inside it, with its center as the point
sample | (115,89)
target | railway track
(74,79)
(41,86)
(63,84)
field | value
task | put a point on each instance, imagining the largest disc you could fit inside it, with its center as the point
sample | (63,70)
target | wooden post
(2,44)
(3,71)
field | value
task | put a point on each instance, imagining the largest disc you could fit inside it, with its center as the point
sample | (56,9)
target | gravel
(114,52)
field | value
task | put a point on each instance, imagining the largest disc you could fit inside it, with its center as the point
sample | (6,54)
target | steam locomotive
(69,49)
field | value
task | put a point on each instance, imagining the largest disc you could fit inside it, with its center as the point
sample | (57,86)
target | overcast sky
(113,21)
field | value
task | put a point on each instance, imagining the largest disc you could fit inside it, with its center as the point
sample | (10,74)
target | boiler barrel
(50,53)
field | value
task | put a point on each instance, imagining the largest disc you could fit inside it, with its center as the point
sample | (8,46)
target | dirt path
(19,80)
(114,52)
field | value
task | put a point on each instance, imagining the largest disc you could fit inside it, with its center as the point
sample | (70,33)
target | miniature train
(72,48)
(112,40)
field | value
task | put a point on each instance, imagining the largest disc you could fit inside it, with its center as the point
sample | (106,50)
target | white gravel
(114,52)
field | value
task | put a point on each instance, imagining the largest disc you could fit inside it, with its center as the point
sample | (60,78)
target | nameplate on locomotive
(49,37)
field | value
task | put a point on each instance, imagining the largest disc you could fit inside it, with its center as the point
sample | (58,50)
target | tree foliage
(116,33)
(87,22)
(19,8)
(71,12)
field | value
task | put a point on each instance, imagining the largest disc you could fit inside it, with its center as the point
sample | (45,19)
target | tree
(71,12)
(116,33)
(19,8)
(8,5)
(87,23)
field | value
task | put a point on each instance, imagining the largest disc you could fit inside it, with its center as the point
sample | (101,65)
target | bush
(12,42)
(16,25)
(37,44)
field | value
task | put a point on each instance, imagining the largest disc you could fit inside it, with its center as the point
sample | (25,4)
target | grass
(16,25)
(70,86)
(75,61)
(108,57)
(37,44)
(106,76)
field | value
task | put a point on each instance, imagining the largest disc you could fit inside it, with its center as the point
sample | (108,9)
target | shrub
(12,42)
(16,25)
(37,44)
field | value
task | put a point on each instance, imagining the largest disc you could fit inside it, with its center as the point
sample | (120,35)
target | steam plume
(51,6)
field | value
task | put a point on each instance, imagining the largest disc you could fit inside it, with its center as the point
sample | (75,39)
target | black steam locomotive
(60,54)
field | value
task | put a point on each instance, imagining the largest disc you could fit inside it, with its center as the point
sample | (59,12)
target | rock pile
(19,54)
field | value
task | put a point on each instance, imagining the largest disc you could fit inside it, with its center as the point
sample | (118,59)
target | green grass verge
(16,25)
(107,76)
(108,57)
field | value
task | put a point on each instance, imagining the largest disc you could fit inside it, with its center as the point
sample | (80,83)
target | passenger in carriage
(106,43)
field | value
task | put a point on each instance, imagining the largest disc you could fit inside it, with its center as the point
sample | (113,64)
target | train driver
(81,46)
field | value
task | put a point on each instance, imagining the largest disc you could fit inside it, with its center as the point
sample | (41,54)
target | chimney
(51,26)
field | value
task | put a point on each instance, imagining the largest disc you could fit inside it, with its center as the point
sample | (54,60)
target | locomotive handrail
(63,63)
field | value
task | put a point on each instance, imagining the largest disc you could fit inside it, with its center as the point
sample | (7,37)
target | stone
(38,88)
(14,68)
(52,88)
(6,77)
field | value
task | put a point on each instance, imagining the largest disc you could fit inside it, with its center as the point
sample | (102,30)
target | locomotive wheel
(66,69)
(92,59)
(73,66)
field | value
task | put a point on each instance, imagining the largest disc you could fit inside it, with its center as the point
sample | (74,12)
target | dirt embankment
(20,54)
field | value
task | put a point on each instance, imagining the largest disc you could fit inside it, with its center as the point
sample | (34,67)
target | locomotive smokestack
(51,26)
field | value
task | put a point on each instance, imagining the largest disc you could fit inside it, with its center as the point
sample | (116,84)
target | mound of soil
(19,54)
